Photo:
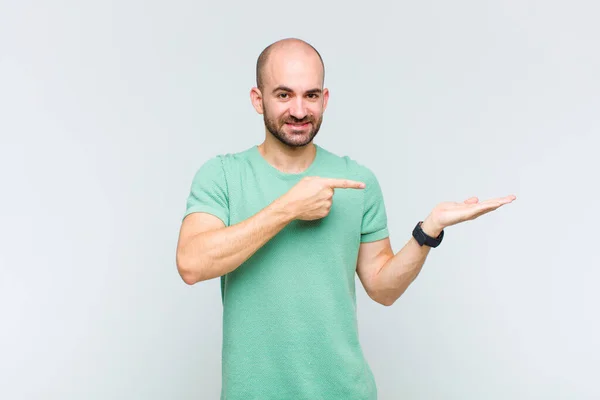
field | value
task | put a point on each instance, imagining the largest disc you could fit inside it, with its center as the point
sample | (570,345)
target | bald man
(286,225)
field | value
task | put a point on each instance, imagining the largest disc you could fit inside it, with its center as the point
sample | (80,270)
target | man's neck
(292,160)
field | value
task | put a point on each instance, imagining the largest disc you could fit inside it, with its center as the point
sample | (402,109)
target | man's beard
(276,127)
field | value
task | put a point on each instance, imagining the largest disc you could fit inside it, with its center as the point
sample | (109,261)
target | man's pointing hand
(312,197)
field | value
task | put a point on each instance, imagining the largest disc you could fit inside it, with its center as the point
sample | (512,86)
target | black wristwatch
(424,239)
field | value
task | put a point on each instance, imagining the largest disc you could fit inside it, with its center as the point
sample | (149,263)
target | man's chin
(297,139)
(293,138)
(298,143)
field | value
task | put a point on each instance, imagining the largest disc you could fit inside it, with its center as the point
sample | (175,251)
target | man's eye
(313,95)
(282,94)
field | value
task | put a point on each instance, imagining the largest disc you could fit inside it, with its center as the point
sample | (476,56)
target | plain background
(108,108)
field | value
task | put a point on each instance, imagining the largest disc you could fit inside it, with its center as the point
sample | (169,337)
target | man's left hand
(451,213)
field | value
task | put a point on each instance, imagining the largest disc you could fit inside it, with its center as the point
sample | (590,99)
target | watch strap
(424,239)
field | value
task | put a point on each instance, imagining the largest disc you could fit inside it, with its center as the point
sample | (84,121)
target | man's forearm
(403,268)
(215,253)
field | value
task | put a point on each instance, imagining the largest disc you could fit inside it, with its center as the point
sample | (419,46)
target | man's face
(293,99)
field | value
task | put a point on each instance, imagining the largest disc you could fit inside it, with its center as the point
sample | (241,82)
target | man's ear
(257,99)
(325,98)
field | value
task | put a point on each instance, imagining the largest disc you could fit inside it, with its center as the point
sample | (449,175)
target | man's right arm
(207,249)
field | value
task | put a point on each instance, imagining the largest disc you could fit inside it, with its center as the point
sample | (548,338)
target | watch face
(418,234)
(423,239)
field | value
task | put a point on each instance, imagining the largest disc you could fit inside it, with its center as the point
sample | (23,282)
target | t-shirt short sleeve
(374,221)
(208,192)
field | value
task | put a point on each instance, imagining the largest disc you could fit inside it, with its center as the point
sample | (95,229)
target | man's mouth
(298,125)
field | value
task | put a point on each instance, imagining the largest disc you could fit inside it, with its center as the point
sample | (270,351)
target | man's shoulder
(225,159)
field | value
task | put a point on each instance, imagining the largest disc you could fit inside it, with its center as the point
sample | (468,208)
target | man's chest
(250,196)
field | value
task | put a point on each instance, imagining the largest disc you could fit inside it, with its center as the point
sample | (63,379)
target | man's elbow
(386,301)
(188,273)
(189,278)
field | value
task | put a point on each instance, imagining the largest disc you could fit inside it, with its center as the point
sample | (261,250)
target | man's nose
(298,108)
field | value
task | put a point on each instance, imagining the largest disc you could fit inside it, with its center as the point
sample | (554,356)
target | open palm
(451,213)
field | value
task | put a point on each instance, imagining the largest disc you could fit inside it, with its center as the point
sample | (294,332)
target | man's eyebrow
(283,88)
(287,89)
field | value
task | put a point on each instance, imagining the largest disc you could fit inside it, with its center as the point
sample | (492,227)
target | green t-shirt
(290,327)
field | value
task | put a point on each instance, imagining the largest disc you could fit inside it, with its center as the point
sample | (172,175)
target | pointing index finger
(344,184)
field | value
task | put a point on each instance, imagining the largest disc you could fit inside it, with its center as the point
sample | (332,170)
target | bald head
(289,47)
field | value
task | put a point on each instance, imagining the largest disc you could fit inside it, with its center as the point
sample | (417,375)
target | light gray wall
(108,108)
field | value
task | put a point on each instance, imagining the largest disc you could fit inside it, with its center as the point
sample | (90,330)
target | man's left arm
(386,276)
